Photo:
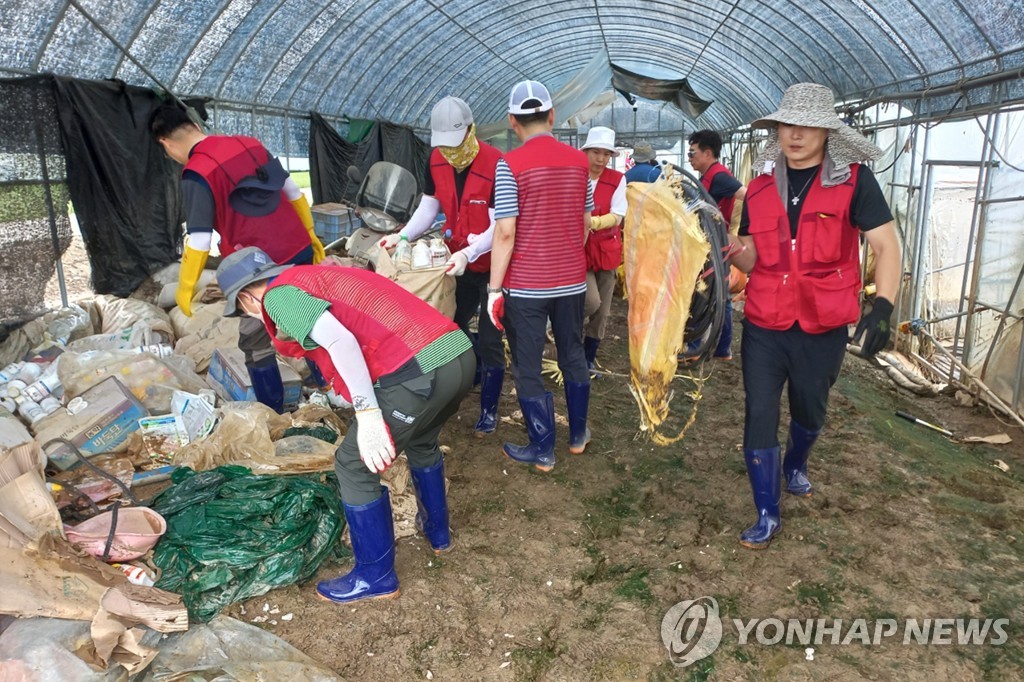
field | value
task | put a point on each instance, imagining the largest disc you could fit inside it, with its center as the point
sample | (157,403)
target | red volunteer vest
(814,279)
(390,324)
(222,161)
(552,178)
(604,247)
(469,216)
(725,205)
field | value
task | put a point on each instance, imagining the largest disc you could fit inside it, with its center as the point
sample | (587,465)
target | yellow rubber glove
(192,263)
(603,222)
(301,207)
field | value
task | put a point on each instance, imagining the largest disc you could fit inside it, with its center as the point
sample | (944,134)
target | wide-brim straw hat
(813,106)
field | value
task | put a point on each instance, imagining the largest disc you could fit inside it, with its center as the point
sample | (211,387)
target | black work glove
(875,326)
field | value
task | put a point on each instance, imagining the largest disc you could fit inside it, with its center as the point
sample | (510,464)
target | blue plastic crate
(334,221)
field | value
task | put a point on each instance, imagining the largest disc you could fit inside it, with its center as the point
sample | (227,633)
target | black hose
(707,308)
(95,469)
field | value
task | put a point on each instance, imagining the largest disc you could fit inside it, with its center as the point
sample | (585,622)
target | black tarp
(677,92)
(330,155)
(124,189)
(34,225)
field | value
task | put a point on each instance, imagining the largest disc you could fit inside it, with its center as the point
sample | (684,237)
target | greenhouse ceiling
(393,59)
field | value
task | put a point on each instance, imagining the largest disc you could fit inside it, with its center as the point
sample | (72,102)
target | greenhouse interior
(595,571)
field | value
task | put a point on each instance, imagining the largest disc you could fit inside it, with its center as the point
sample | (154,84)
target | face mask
(460,157)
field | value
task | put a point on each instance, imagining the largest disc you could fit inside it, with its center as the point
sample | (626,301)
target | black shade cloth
(330,155)
(34,225)
(125,191)
(677,92)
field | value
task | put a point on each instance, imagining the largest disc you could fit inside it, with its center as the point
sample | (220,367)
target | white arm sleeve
(482,242)
(422,218)
(347,356)
(200,241)
(619,198)
(290,189)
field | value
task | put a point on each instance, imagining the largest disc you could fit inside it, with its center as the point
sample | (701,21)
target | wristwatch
(494,290)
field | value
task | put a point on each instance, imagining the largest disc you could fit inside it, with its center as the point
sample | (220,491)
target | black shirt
(868,208)
(723,186)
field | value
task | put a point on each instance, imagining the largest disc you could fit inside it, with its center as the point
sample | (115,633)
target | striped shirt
(548,251)
(295,311)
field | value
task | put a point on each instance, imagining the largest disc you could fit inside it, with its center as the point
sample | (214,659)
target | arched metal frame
(393,58)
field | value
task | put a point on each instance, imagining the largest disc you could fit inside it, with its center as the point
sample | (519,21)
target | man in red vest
(705,148)
(542,205)
(799,239)
(404,367)
(231,184)
(604,243)
(461,184)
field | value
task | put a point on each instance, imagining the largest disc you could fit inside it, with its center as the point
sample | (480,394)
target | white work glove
(391,241)
(456,265)
(376,448)
(496,309)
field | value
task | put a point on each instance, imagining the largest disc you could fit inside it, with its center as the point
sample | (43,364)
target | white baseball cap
(600,137)
(529,97)
(449,122)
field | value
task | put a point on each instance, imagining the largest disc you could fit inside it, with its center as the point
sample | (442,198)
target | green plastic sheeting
(232,535)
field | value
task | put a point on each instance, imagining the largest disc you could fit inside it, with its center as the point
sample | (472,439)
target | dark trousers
(253,338)
(471,297)
(414,410)
(809,362)
(526,321)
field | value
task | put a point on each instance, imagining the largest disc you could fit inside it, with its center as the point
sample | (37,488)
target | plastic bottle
(30,411)
(15,388)
(8,404)
(421,256)
(50,405)
(160,350)
(438,253)
(29,372)
(9,372)
(136,575)
(403,255)
(48,383)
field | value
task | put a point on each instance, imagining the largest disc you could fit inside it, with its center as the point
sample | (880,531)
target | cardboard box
(334,221)
(108,412)
(229,378)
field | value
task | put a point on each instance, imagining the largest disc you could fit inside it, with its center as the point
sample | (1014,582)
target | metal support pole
(904,302)
(978,250)
(287,145)
(924,236)
(51,214)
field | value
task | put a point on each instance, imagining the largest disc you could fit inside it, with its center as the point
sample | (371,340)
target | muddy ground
(567,576)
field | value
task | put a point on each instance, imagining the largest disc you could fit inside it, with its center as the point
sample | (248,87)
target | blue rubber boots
(373,544)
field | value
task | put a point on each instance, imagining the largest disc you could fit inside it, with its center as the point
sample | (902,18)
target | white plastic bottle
(438,252)
(421,255)
(403,255)
(136,575)
(30,411)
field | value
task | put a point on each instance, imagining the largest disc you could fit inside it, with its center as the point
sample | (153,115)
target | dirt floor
(567,576)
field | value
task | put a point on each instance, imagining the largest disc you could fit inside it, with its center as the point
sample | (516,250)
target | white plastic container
(421,257)
(16,389)
(29,372)
(9,372)
(438,253)
(403,255)
(136,575)
(8,404)
(50,405)
(46,385)
(30,411)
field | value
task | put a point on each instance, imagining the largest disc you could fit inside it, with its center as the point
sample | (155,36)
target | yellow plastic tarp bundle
(665,251)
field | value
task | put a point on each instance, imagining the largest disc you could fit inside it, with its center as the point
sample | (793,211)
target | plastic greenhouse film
(665,251)
(232,535)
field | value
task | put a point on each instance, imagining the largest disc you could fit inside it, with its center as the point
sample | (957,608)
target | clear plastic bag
(151,379)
